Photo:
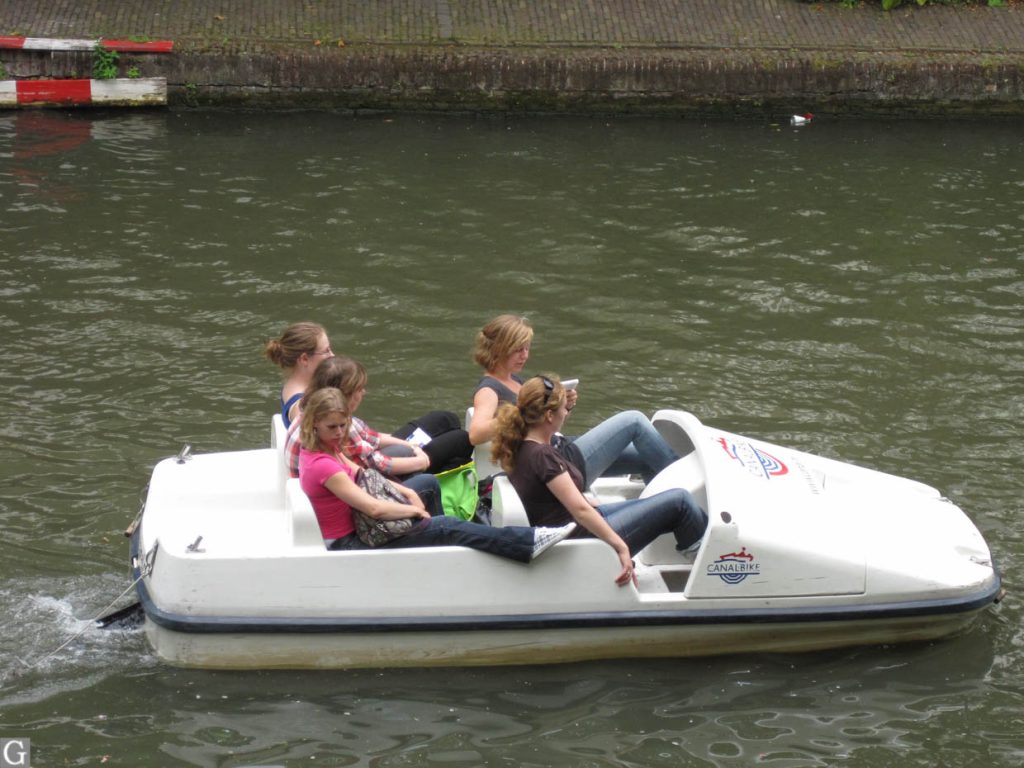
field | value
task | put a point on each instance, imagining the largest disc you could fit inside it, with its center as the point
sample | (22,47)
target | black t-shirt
(536,466)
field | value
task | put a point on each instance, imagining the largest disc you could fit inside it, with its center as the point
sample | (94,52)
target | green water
(850,289)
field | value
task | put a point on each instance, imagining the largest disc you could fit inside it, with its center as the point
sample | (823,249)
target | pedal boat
(801,553)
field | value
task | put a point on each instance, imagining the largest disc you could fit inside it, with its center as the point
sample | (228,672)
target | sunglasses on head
(549,388)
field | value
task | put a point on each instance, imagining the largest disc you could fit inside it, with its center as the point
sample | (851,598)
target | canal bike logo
(754,460)
(734,567)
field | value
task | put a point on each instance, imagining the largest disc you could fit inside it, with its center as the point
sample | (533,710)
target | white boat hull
(801,553)
(532,646)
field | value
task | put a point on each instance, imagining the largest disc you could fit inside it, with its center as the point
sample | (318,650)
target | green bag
(459,495)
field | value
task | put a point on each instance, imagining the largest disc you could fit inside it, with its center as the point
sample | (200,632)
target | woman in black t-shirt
(551,486)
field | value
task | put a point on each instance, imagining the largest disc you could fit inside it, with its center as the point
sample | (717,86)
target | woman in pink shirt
(328,478)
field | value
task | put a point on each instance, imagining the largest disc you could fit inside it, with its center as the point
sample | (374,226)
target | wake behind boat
(801,553)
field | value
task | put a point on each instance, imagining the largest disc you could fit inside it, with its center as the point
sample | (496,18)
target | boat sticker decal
(754,460)
(734,567)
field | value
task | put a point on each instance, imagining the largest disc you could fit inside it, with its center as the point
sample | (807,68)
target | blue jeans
(627,443)
(641,521)
(513,542)
(428,489)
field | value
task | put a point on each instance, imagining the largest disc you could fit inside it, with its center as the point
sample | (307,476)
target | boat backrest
(482,453)
(303,530)
(278,431)
(506,506)
(278,438)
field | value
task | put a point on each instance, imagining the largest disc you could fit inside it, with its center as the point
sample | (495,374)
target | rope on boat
(143,572)
(130,530)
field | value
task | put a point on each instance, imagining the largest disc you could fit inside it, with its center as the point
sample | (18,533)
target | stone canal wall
(732,57)
(618,81)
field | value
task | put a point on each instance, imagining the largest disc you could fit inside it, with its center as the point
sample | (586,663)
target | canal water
(853,289)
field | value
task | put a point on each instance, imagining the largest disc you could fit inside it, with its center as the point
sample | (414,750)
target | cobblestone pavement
(778,25)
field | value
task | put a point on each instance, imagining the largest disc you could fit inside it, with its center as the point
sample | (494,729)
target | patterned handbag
(371,531)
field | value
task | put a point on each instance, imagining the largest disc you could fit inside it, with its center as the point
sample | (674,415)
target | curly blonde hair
(500,338)
(537,397)
(321,404)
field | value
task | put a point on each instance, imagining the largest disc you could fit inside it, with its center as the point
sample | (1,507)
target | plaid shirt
(363,447)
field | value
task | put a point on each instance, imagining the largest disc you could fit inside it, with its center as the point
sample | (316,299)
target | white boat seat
(482,453)
(278,431)
(303,530)
(278,438)
(506,506)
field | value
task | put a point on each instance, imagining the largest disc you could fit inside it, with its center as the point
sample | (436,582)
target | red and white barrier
(56,44)
(140,92)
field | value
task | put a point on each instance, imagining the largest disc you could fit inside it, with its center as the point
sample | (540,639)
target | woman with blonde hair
(502,349)
(551,486)
(391,454)
(366,447)
(623,444)
(329,479)
(299,349)
(387,454)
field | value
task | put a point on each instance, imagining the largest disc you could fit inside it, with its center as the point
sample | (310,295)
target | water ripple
(849,291)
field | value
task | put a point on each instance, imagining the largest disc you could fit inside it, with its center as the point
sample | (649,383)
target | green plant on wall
(888,5)
(104,66)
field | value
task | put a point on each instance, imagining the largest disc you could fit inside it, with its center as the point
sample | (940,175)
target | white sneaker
(692,549)
(545,538)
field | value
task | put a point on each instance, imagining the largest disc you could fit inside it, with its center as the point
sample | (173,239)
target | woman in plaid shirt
(388,454)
